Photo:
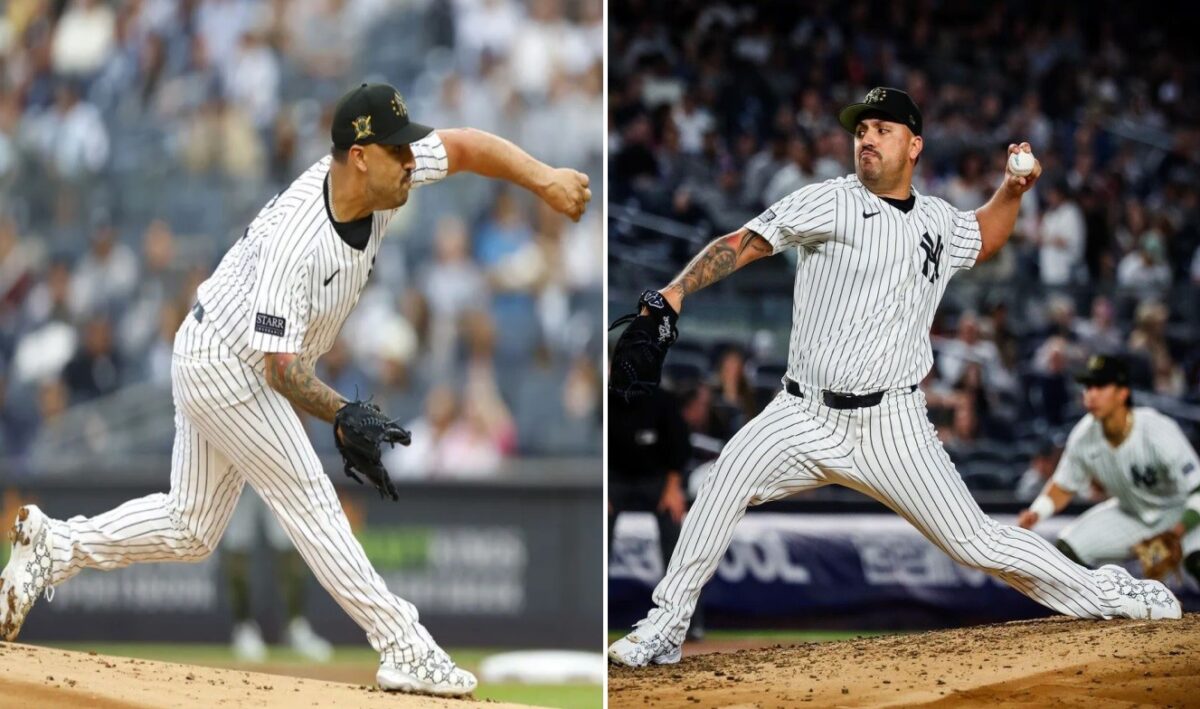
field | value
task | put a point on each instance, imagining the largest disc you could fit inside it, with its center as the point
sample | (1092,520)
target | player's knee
(1191,564)
(1063,546)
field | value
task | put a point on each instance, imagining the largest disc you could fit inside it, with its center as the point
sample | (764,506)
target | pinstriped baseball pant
(231,428)
(889,452)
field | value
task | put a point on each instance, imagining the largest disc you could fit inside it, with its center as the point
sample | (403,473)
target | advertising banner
(859,571)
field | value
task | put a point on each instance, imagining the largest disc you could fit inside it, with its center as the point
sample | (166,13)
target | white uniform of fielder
(1149,477)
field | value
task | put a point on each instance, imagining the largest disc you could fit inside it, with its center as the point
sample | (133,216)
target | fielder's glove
(1159,555)
(637,361)
(360,430)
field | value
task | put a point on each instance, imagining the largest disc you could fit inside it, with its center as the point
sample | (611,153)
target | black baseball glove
(360,430)
(637,361)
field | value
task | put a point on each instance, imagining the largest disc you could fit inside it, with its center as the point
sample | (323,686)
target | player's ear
(358,157)
(915,147)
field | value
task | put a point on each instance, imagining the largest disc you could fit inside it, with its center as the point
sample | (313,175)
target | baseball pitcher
(874,257)
(243,364)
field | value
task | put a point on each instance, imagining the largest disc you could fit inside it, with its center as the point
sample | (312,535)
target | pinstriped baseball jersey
(1150,473)
(291,281)
(868,281)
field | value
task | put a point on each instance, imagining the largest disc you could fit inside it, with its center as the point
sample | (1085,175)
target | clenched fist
(567,192)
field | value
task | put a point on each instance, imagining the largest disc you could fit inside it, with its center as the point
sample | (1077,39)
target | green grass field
(358,662)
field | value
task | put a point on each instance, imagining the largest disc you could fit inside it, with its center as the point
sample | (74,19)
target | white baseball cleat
(248,643)
(1142,599)
(27,574)
(433,673)
(305,641)
(642,647)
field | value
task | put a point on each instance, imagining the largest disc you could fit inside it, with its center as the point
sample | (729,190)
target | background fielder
(874,258)
(245,357)
(1143,461)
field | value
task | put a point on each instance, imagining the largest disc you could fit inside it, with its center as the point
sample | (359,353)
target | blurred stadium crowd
(717,109)
(139,137)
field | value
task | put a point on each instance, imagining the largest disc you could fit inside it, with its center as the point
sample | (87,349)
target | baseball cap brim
(410,133)
(851,114)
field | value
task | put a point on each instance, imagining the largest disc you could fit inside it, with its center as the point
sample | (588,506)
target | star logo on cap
(875,96)
(398,106)
(362,127)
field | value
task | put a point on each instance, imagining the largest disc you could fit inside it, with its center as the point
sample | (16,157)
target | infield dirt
(1057,662)
(46,677)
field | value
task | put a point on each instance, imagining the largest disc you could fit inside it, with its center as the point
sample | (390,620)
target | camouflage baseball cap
(889,103)
(374,113)
(1104,369)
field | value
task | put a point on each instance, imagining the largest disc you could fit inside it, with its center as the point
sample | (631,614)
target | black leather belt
(838,400)
(198,312)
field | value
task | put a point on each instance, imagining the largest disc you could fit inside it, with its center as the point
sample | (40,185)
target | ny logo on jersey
(1146,477)
(933,256)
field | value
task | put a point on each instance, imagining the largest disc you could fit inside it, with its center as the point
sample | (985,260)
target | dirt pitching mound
(44,677)
(1059,662)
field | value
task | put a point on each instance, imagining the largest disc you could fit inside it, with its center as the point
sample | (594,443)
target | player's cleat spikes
(27,574)
(643,647)
(1141,599)
(432,673)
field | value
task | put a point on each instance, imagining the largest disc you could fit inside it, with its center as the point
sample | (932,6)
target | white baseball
(1020,163)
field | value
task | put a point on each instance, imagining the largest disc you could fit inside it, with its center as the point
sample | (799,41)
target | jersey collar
(356,234)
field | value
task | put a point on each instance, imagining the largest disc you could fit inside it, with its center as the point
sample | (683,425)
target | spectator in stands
(71,136)
(155,287)
(966,348)
(1041,468)
(18,259)
(251,79)
(49,300)
(1100,332)
(735,402)
(83,38)
(95,370)
(799,171)
(968,188)
(693,121)
(221,139)
(1061,238)
(156,361)
(454,438)
(1049,385)
(1144,270)
(696,407)
(451,286)
(107,274)
(761,168)
(1149,339)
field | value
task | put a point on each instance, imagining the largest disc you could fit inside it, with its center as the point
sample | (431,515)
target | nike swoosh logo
(868,216)
(330,279)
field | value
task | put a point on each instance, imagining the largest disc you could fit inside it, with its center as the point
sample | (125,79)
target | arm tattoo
(720,258)
(296,380)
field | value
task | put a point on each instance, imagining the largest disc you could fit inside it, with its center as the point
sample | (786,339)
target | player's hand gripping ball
(1023,169)
(1020,163)
(567,192)
(360,430)
(637,361)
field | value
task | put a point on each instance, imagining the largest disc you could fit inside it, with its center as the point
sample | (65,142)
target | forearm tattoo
(296,380)
(720,258)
